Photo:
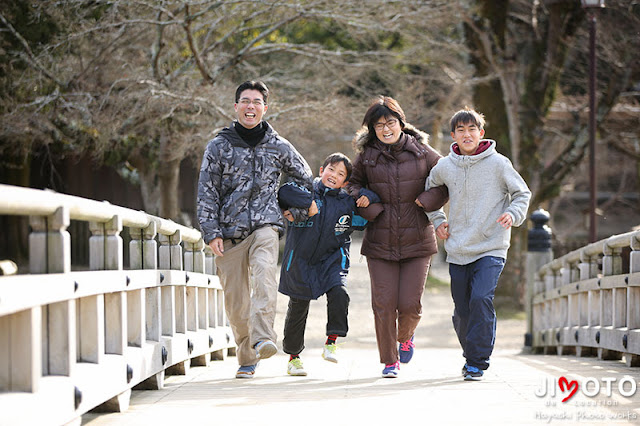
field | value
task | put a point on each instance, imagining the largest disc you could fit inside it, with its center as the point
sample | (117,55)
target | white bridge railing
(579,308)
(74,341)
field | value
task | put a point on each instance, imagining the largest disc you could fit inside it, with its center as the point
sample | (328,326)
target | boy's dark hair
(383,106)
(253,85)
(467,116)
(338,157)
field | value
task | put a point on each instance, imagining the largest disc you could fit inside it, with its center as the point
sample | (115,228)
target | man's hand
(363,201)
(443,231)
(313,210)
(505,220)
(217,246)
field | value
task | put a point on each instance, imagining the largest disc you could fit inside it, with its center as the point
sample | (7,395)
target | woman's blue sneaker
(391,370)
(406,350)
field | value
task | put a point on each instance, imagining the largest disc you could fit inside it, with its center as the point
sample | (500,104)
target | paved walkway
(429,390)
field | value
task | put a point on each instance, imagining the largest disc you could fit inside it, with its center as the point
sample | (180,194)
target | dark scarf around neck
(251,136)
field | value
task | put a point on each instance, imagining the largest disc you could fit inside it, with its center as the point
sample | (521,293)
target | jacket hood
(459,158)
(361,139)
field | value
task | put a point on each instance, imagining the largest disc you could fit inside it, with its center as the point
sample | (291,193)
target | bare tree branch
(28,55)
(194,50)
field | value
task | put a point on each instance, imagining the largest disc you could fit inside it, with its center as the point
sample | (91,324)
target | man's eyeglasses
(390,124)
(247,101)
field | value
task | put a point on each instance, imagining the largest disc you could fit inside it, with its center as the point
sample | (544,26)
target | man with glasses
(241,221)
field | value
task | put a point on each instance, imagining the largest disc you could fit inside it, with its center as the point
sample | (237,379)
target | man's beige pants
(247,272)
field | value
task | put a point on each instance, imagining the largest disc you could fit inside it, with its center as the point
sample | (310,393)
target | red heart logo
(563,382)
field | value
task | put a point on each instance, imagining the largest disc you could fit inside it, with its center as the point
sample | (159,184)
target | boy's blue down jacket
(316,251)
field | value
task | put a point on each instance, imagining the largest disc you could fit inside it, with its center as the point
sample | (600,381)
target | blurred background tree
(143,85)
(139,87)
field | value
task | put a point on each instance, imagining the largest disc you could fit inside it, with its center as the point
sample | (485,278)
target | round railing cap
(539,237)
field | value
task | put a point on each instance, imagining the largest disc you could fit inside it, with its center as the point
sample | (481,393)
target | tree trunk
(512,284)
(168,182)
(516,103)
(159,186)
(149,188)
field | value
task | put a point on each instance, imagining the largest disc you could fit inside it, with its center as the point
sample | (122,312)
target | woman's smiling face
(388,129)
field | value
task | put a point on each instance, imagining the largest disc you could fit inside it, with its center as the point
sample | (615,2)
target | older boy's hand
(443,231)
(313,210)
(287,215)
(419,204)
(505,220)
(363,201)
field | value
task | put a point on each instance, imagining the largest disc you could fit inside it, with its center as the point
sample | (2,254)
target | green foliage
(37,28)
(328,33)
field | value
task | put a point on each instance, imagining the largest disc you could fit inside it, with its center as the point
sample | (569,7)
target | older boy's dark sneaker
(473,374)
(464,370)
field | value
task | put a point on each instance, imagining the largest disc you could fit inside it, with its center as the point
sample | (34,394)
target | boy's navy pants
(474,318)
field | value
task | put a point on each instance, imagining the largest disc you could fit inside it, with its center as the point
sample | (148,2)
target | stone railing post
(105,245)
(194,257)
(170,251)
(143,254)
(54,325)
(634,256)
(143,248)
(50,243)
(538,253)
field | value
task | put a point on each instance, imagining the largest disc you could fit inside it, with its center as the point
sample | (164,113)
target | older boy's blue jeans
(474,318)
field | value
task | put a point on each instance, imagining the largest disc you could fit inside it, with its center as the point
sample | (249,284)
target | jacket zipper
(322,197)
(253,183)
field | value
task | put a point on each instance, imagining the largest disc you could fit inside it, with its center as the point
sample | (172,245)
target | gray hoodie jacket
(481,188)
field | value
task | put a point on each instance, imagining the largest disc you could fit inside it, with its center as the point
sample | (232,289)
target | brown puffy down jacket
(398,229)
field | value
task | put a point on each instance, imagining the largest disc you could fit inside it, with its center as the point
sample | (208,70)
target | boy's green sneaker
(329,352)
(295,368)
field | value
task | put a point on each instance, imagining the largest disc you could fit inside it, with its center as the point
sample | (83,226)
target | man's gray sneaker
(246,371)
(266,349)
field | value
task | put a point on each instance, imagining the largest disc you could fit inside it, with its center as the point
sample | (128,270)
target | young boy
(487,196)
(316,255)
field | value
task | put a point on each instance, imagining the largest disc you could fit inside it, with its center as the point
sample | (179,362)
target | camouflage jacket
(238,186)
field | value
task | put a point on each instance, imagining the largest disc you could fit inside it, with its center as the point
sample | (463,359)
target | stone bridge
(151,345)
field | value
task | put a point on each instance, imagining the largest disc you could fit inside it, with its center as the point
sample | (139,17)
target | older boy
(487,196)
(316,256)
